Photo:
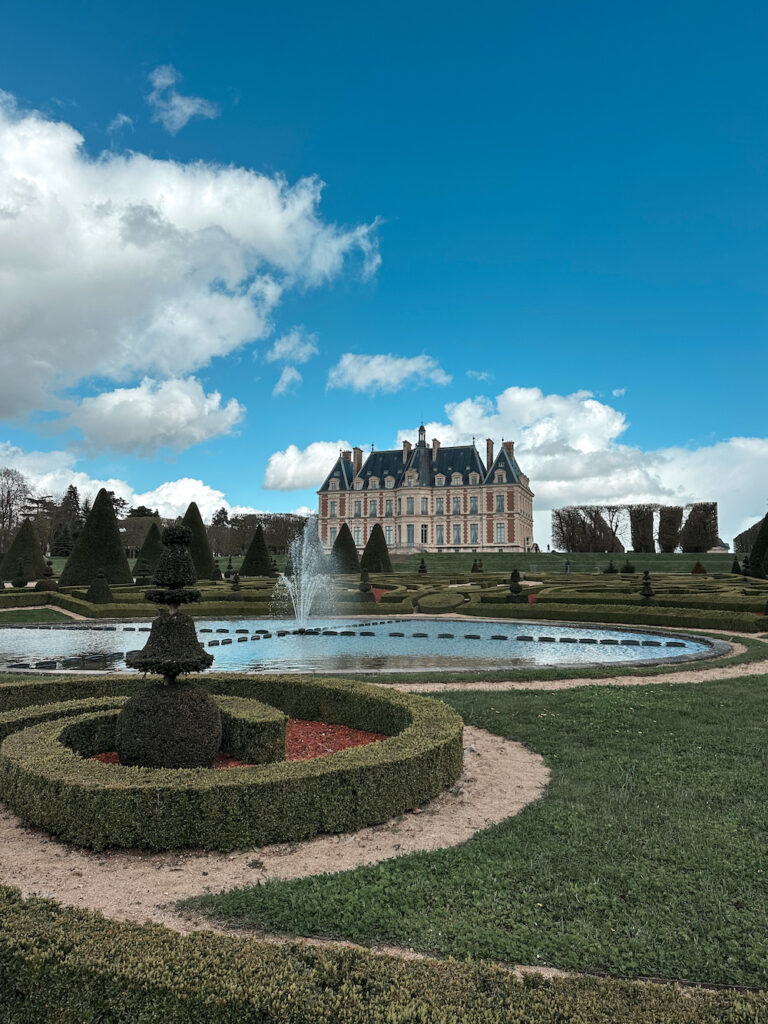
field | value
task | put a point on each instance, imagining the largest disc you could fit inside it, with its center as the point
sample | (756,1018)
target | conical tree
(375,557)
(200,550)
(736,567)
(25,547)
(516,594)
(151,549)
(98,546)
(99,592)
(344,558)
(257,561)
(758,556)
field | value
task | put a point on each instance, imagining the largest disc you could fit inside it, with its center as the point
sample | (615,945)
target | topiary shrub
(99,592)
(758,556)
(257,561)
(142,572)
(516,595)
(610,568)
(47,584)
(236,581)
(735,567)
(422,567)
(150,551)
(19,580)
(48,570)
(699,570)
(646,591)
(344,557)
(375,557)
(25,548)
(199,548)
(627,568)
(98,546)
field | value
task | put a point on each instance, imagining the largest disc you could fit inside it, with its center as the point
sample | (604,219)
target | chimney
(435,447)
(509,448)
(488,452)
(346,456)
(406,450)
(357,462)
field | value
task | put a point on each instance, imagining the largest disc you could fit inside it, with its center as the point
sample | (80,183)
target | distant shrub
(699,570)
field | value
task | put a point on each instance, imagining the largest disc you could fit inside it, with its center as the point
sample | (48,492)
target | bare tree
(14,496)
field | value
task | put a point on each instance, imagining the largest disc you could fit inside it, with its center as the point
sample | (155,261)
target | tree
(743,541)
(344,558)
(220,517)
(375,557)
(99,592)
(699,533)
(14,494)
(25,550)
(141,512)
(61,541)
(670,521)
(98,546)
(641,528)
(199,548)
(257,561)
(120,505)
(758,556)
(152,548)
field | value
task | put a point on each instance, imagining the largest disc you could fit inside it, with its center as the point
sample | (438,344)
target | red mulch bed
(377,592)
(532,598)
(303,740)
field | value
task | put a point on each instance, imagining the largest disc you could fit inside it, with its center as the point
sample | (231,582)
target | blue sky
(557,213)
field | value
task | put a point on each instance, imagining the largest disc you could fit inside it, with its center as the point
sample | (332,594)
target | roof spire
(422,436)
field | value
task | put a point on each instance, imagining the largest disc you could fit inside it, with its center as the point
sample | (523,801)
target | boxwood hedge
(740,622)
(61,964)
(44,778)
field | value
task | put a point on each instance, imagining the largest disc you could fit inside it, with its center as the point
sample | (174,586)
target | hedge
(738,622)
(251,731)
(62,964)
(440,603)
(96,805)
(714,601)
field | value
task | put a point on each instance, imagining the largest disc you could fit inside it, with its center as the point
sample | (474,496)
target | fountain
(305,578)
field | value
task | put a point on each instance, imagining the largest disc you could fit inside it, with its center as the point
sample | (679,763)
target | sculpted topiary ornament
(171,724)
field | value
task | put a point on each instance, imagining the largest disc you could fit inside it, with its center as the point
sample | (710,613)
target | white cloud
(296,469)
(304,510)
(619,392)
(481,375)
(173,414)
(287,382)
(293,347)
(169,107)
(126,265)
(120,121)
(385,373)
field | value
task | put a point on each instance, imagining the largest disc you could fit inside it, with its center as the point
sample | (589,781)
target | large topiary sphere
(177,726)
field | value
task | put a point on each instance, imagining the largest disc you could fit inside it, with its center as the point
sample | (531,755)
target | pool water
(259,645)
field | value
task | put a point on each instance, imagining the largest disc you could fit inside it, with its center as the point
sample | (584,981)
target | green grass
(530,561)
(32,615)
(645,858)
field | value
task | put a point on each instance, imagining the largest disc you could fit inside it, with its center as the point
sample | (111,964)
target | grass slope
(645,858)
(19,615)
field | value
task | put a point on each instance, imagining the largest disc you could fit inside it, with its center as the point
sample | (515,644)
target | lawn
(646,856)
(22,615)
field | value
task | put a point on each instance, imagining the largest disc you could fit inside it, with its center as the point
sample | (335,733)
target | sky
(237,238)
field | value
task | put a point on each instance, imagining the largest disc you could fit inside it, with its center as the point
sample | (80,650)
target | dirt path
(499,779)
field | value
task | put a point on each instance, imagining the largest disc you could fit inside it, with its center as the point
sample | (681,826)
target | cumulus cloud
(175,414)
(125,265)
(385,373)
(169,107)
(293,347)
(296,468)
(287,382)
(569,446)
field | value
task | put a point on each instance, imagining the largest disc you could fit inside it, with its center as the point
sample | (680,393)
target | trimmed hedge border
(91,804)
(62,964)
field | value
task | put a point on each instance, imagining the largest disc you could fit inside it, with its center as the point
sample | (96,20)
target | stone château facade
(430,498)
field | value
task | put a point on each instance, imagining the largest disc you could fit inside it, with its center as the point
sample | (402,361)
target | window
(388,507)
(501,477)
(499,502)
(439,534)
(473,506)
(425,506)
(409,506)
(411,481)
(409,535)
(373,483)
(457,533)
(358,535)
(499,533)
(473,533)
(457,506)
(439,480)
(474,479)
(333,485)
(333,509)
(456,479)
(358,484)
(424,533)
(388,534)
(389,483)
(358,509)
(399,505)
(333,533)
(438,506)
(373,508)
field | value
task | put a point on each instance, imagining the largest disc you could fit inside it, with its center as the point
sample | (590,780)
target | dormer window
(501,477)
(358,484)
(373,483)
(389,483)
(474,479)
(411,480)
(439,480)
(333,485)
(456,480)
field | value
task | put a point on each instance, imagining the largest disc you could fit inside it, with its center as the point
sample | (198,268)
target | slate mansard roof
(427,464)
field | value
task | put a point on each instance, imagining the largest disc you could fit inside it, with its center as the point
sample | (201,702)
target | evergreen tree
(375,557)
(98,546)
(735,567)
(344,557)
(236,581)
(646,591)
(745,567)
(99,592)
(61,541)
(758,556)
(257,561)
(670,521)
(422,567)
(200,550)
(516,594)
(19,580)
(150,550)
(25,548)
